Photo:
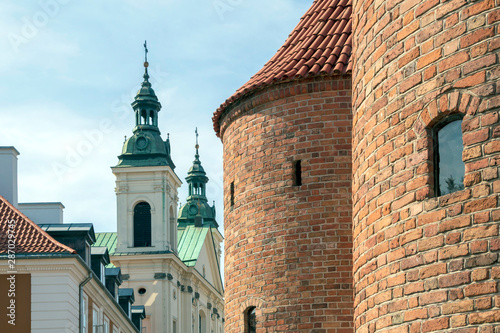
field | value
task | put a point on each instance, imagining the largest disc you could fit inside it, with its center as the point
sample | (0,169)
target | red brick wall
(421,263)
(288,249)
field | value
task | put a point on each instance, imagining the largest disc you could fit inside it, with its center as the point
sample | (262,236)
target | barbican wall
(424,263)
(288,247)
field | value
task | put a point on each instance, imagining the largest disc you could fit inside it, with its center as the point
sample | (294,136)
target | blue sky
(71,68)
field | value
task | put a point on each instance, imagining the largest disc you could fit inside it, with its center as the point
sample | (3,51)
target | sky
(70,70)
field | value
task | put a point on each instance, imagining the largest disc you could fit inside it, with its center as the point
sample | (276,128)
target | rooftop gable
(190,242)
(29,237)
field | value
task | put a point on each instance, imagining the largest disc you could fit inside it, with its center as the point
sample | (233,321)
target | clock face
(193,210)
(141,142)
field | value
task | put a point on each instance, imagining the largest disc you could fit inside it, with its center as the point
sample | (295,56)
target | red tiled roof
(319,45)
(29,238)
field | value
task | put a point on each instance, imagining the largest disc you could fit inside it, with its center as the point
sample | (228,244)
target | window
(202,322)
(106,325)
(297,173)
(232,194)
(103,273)
(174,329)
(95,320)
(449,169)
(142,225)
(87,253)
(84,314)
(250,320)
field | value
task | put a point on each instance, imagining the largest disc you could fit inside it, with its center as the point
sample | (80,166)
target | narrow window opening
(250,320)
(142,225)
(232,194)
(449,168)
(152,119)
(297,173)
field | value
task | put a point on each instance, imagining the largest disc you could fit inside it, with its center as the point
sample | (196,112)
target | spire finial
(197,146)
(146,64)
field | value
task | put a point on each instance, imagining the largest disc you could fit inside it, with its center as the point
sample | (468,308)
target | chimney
(8,174)
(43,212)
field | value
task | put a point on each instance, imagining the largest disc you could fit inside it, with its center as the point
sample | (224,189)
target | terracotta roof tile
(319,45)
(29,237)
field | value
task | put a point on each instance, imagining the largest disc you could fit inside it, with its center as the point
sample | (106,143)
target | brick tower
(287,177)
(424,260)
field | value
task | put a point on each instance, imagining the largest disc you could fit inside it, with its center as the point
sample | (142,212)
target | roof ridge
(23,218)
(319,45)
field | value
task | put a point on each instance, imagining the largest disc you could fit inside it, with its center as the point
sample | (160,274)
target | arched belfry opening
(142,225)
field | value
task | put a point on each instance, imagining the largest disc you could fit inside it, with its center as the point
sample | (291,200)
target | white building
(47,286)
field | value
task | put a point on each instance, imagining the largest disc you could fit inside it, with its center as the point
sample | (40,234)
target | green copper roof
(146,95)
(107,239)
(145,148)
(190,242)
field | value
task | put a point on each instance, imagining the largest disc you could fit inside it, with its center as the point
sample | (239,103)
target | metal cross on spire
(145,52)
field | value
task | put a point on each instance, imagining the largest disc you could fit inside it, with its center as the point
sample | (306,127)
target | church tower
(197,211)
(146,184)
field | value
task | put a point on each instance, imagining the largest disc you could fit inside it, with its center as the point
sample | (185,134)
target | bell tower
(146,184)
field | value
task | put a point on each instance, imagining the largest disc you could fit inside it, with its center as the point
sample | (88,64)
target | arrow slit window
(142,225)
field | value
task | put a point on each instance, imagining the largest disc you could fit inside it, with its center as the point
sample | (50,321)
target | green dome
(146,95)
(196,169)
(191,209)
(145,148)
